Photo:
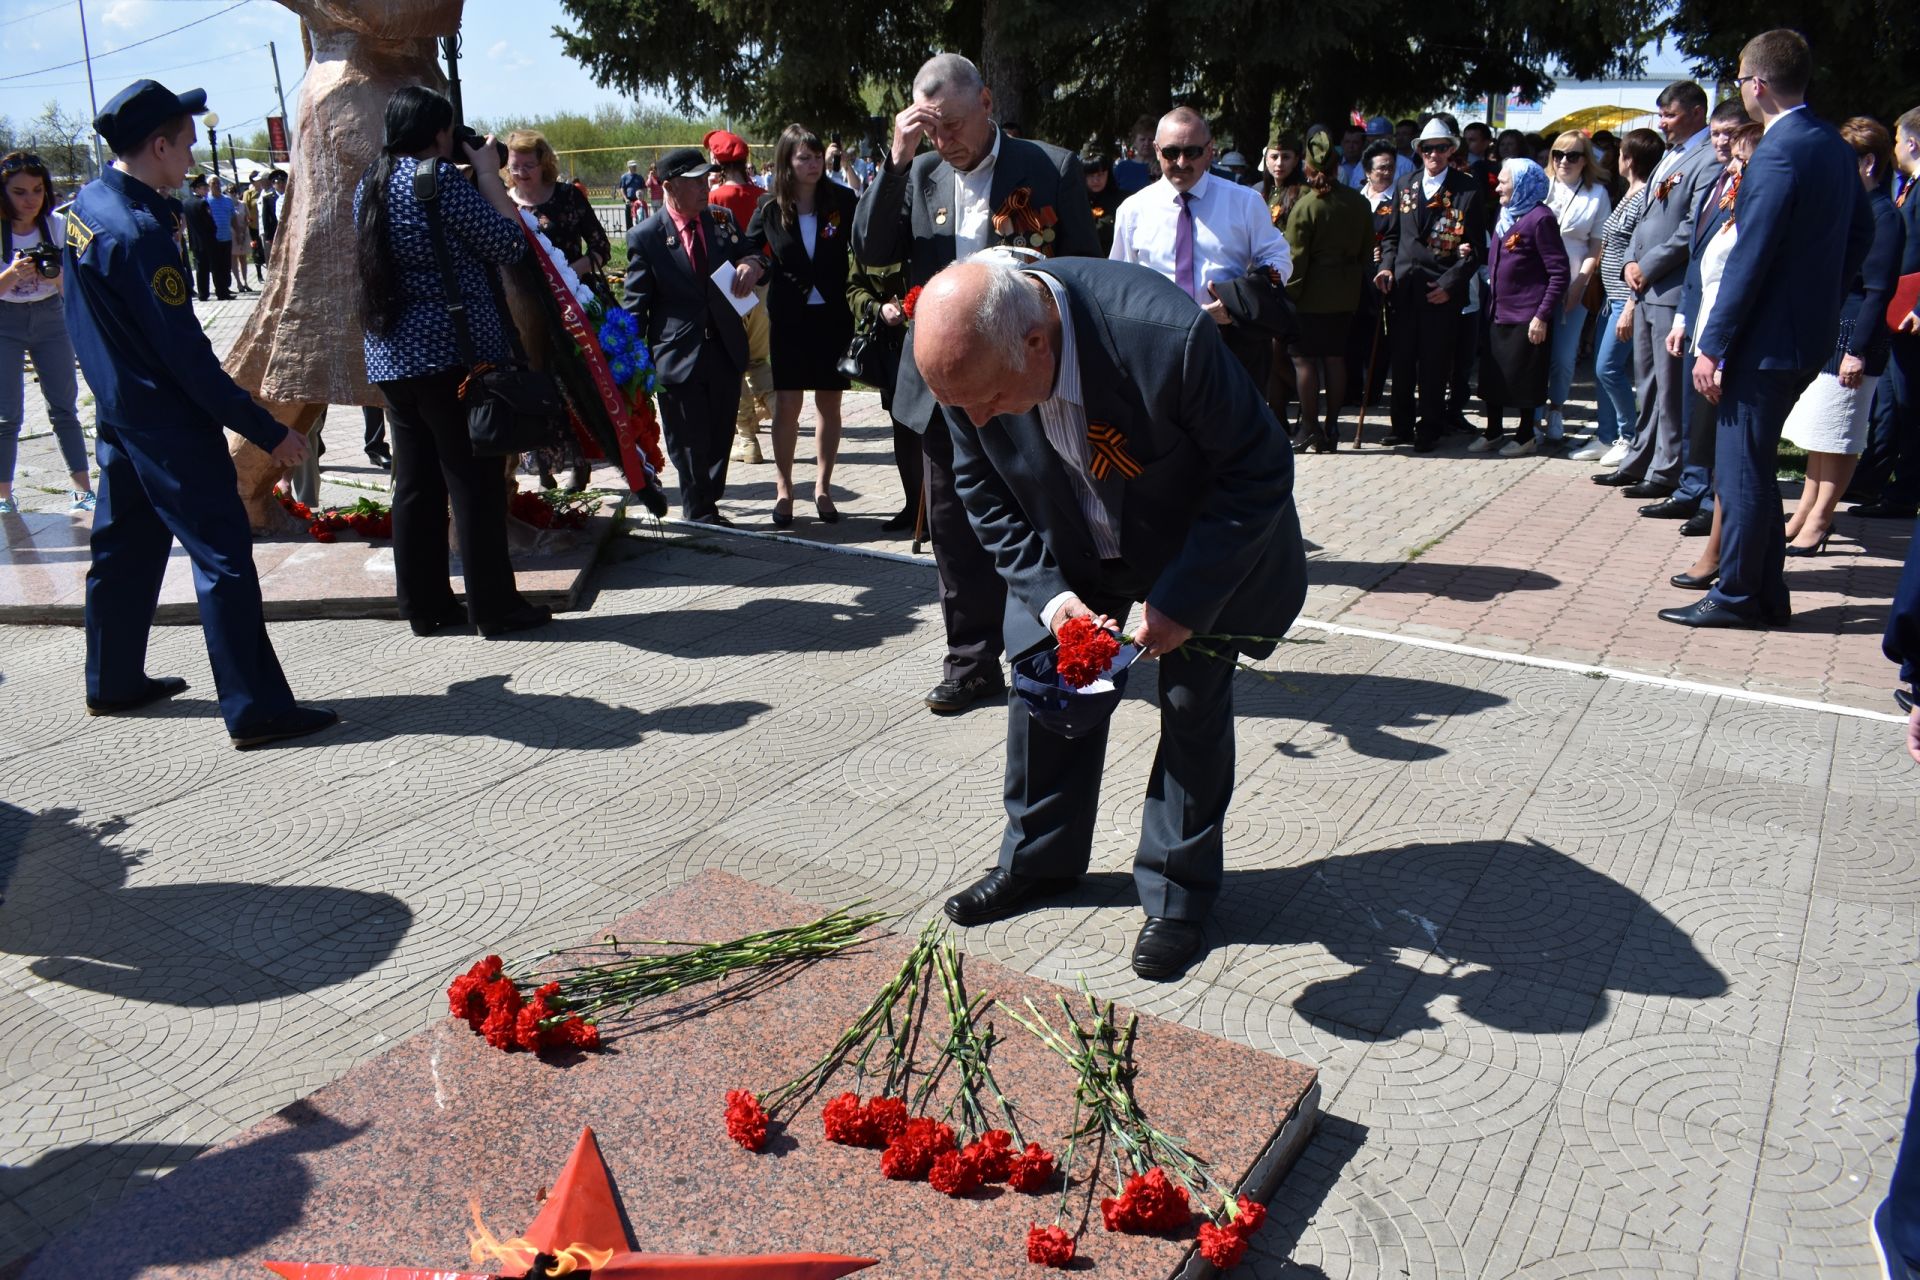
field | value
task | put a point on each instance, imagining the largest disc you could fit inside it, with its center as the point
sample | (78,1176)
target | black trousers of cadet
(973,597)
(433,463)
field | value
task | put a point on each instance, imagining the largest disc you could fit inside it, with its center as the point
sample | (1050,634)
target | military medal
(939,217)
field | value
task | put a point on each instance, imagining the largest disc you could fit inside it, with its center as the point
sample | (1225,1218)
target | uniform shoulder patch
(79,234)
(170,286)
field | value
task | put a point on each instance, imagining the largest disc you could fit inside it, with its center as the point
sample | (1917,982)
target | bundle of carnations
(365,517)
(957,1150)
(570,1000)
(1158,1182)
(552,509)
(605,369)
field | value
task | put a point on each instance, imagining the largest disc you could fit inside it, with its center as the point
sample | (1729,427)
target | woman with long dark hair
(412,356)
(802,229)
(31,323)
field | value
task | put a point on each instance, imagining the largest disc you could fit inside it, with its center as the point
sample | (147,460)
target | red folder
(1905,296)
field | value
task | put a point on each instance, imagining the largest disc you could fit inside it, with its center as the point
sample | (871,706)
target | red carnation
(1222,1246)
(746,1120)
(912,300)
(1085,652)
(1049,1246)
(992,1154)
(1247,1216)
(888,1116)
(466,997)
(1032,1169)
(1148,1203)
(847,1122)
(577,1033)
(954,1174)
(910,1154)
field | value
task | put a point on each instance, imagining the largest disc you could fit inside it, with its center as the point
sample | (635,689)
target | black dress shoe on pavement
(1695,582)
(1001,893)
(1647,489)
(1882,511)
(899,523)
(158,689)
(1395,439)
(950,697)
(1711,613)
(1698,525)
(439,620)
(1671,509)
(715,519)
(297,723)
(1165,947)
(525,618)
(380,456)
(1614,480)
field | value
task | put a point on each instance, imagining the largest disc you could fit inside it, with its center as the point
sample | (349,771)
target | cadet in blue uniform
(164,471)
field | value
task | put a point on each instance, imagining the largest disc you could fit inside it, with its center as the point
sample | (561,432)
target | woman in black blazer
(802,229)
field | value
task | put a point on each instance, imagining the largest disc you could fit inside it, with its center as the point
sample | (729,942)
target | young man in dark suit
(1109,448)
(1804,230)
(200,242)
(698,342)
(1890,467)
(976,187)
(1435,241)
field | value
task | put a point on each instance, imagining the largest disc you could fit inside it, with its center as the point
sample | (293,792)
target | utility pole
(285,120)
(86,51)
(231,162)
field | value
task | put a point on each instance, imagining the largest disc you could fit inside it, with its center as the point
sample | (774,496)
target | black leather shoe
(1882,511)
(1695,582)
(1671,509)
(158,689)
(1165,947)
(525,618)
(1647,489)
(899,523)
(1395,438)
(1615,480)
(1698,525)
(297,723)
(715,519)
(950,697)
(1001,893)
(380,456)
(1711,613)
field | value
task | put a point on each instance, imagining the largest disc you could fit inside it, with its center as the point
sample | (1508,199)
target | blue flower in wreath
(622,370)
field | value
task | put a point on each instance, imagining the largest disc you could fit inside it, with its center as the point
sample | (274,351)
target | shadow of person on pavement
(216,1206)
(1360,710)
(64,900)
(1477,583)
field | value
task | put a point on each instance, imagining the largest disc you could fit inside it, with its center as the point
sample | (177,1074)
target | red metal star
(581,1218)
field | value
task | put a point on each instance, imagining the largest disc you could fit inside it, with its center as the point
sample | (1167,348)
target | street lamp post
(212,121)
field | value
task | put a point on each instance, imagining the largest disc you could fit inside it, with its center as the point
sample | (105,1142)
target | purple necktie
(1183,247)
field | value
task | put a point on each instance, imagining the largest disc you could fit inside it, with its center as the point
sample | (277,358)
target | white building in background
(1618,105)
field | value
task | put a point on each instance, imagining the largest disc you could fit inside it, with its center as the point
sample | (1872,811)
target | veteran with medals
(977,187)
(162,400)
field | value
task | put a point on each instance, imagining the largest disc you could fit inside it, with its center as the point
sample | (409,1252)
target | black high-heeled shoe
(1695,582)
(1813,550)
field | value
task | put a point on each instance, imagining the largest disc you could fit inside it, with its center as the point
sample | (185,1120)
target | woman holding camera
(413,357)
(32,238)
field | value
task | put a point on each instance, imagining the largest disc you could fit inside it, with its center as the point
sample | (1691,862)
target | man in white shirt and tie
(1208,236)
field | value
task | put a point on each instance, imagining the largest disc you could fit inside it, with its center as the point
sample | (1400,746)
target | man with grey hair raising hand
(977,186)
(1109,449)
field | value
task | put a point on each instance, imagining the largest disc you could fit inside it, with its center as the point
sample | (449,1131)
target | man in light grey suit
(977,187)
(1656,271)
(1110,449)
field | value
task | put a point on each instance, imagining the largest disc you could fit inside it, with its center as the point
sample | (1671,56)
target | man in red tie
(698,342)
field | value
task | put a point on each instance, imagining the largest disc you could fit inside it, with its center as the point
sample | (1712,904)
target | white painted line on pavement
(1417,642)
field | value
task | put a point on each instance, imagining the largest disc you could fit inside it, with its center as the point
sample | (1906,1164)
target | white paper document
(723,276)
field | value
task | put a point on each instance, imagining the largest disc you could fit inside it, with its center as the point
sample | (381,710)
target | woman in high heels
(1829,420)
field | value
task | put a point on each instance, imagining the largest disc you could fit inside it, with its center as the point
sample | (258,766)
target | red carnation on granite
(746,1120)
(954,1174)
(910,1154)
(1085,652)
(847,1122)
(912,300)
(888,1116)
(467,996)
(1248,1215)
(1031,1170)
(1222,1246)
(1148,1203)
(1049,1246)
(992,1154)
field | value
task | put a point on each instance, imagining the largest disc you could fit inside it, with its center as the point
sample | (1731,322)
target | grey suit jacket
(1663,238)
(679,312)
(908,215)
(1208,530)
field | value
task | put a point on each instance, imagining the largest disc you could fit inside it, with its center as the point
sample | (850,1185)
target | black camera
(45,259)
(464,137)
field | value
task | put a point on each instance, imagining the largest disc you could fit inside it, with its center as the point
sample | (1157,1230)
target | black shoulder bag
(509,410)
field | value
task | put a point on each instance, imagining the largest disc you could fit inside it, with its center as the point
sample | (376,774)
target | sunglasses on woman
(21,160)
(1561,157)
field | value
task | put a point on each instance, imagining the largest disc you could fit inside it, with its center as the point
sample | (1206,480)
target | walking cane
(920,516)
(1366,387)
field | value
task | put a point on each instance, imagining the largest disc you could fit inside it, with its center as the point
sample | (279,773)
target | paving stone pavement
(1604,979)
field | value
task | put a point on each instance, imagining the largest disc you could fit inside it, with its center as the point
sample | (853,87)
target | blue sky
(511,62)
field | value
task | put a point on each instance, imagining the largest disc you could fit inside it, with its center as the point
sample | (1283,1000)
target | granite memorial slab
(388,1165)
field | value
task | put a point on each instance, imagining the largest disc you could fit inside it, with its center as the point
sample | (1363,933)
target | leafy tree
(64,141)
(1866,53)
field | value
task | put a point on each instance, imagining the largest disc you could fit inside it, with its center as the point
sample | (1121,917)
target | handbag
(510,408)
(861,360)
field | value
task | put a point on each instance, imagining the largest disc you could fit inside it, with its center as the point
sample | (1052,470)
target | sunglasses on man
(1435,148)
(1171,154)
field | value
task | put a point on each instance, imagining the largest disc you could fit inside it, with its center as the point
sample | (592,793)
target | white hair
(947,75)
(1010,308)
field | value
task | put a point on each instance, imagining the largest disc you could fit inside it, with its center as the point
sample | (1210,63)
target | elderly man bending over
(1109,449)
